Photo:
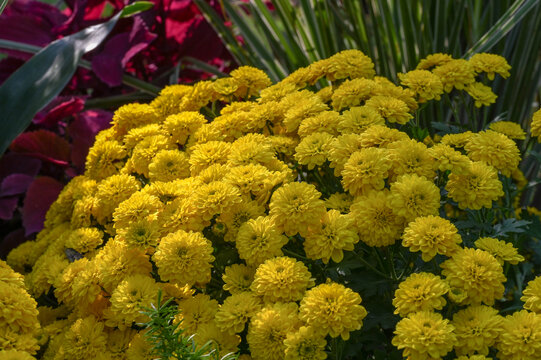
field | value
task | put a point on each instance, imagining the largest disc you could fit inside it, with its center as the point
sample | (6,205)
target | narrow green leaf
(3,4)
(136,8)
(201,65)
(506,23)
(42,78)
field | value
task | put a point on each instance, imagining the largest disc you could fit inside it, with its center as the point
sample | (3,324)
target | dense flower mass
(270,215)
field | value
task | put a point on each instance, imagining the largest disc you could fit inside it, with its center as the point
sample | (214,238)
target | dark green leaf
(136,8)
(510,226)
(3,4)
(42,77)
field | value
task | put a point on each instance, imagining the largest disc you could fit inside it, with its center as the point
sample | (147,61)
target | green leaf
(510,226)
(136,8)
(43,77)
(3,4)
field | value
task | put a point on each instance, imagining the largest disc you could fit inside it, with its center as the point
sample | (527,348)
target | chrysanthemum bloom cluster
(19,325)
(238,211)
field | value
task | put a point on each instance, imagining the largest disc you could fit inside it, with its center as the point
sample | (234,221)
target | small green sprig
(169,341)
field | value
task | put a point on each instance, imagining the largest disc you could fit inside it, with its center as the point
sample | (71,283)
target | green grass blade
(3,4)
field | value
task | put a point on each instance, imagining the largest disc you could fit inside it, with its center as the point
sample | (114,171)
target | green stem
(368,265)
(126,79)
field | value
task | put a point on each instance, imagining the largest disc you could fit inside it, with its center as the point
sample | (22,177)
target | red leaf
(43,144)
(60,108)
(83,130)
(40,195)
(7,207)
(15,184)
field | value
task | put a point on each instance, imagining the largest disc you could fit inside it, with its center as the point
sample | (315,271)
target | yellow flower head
(169,165)
(15,355)
(18,309)
(455,74)
(140,206)
(170,96)
(501,250)
(411,157)
(145,151)
(426,85)
(282,279)
(420,291)
(366,170)
(359,118)
(535,126)
(431,235)
(520,337)
(142,234)
(476,188)
(296,206)
(313,150)
(238,215)
(424,335)
(249,80)
(215,198)
(298,106)
(111,192)
(381,136)
(138,134)
(448,159)
(510,129)
(532,295)
(196,311)
(259,240)
(185,258)
(481,94)
(181,126)
(477,273)
(434,60)
(375,220)
(349,63)
(457,140)
(341,148)
(85,339)
(132,116)
(390,108)
(269,328)
(324,122)
(333,309)
(328,241)
(236,310)
(104,159)
(477,328)
(490,64)
(85,239)
(223,342)
(204,155)
(128,300)
(238,278)
(339,201)
(305,344)
(352,93)
(413,196)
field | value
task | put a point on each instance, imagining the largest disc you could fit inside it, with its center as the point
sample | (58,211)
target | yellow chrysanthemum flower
(349,63)
(426,85)
(520,337)
(237,215)
(145,151)
(169,165)
(457,140)
(222,341)
(295,207)
(434,60)
(184,257)
(357,119)
(15,355)
(501,250)
(448,158)
(420,291)
(238,278)
(413,196)
(455,74)
(481,94)
(249,80)
(236,310)
(111,192)
(375,220)
(390,108)
(366,170)
(281,279)
(431,235)
(139,206)
(424,335)
(204,155)
(313,150)
(477,273)
(269,328)
(352,93)
(139,348)
(132,116)
(85,339)
(477,328)
(324,122)
(85,239)
(508,128)
(305,344)
(532,295)
(411,157)
(259,239)
(128,299)
(381,136)
(142,234)
(341,149)
(332,309)
(104,159)
(535,126)
(298,106)
(215,198)
(329,240)
(196,311)
(166,103)
(490,64)
(339,201)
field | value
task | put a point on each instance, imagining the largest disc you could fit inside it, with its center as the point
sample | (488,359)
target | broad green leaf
(44,76)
